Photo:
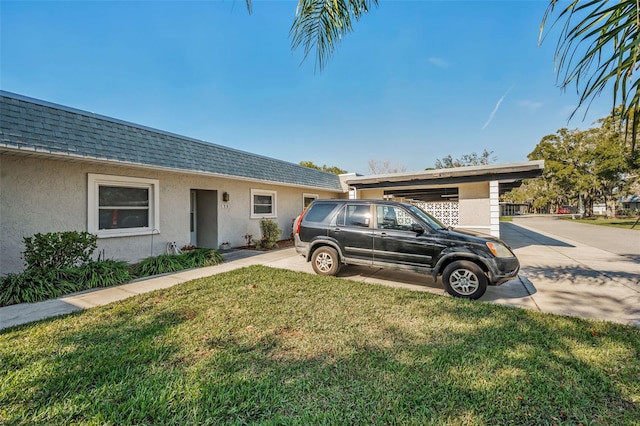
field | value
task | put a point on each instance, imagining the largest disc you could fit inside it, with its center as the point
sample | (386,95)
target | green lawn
(625,223)
(270,346)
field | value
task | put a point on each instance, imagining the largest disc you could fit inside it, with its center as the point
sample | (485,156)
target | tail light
(299,221)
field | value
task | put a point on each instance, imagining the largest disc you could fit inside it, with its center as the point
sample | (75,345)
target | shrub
(104,273)
(157,265)
(270,234)
(36,284)
(59,249)
(166,263)
(60,263)
(202,257)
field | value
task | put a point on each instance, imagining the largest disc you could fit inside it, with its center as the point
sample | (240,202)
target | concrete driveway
(558,274)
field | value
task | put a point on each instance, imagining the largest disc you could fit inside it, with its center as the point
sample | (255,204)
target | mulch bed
(281,244)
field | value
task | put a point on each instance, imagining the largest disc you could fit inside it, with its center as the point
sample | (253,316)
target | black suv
(389,234)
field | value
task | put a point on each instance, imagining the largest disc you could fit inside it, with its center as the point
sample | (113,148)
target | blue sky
(416,81)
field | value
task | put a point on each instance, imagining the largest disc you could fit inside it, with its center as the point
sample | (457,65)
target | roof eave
(32,152)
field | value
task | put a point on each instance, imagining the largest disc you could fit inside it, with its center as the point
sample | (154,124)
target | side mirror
(417,229)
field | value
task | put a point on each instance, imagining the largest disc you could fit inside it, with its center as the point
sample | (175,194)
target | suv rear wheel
(325,261)
(464,279)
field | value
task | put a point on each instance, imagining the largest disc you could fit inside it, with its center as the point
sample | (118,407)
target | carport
(462,197)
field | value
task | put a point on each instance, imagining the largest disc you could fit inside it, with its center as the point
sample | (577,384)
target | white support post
(494,196)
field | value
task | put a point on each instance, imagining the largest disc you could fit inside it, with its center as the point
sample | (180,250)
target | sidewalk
(557,276)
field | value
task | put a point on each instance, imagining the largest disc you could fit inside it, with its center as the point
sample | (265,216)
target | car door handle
(383,234)
(336,229)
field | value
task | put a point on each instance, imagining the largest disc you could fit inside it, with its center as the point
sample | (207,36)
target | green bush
(166,263)
(270,234)
(156,265)
(36,284)
(59,249)
(202,257)
(60,263)
(104,273)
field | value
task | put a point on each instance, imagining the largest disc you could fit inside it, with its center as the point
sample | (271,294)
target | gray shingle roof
(32,125)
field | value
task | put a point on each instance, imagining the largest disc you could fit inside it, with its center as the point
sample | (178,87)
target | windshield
(426,217)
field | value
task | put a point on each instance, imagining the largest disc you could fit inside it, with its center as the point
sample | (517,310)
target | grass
(269,346)
(625,223)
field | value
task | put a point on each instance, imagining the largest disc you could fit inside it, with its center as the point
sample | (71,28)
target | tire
(325,261)
(464,279)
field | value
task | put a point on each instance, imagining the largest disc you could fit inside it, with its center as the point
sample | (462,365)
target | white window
(122,206)
(263,204)
(308,199)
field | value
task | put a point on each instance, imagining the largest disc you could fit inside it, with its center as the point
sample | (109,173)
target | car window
(394,217)
(318,212)
(355,215)
(428,219)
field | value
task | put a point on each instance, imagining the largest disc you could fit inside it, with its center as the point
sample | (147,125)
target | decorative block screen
(446,212)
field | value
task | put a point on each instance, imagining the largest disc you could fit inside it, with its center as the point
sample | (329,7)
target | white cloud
(439,62)
(530,105)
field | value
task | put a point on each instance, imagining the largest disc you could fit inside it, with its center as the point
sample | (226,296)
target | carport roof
(506,174)
(31,127)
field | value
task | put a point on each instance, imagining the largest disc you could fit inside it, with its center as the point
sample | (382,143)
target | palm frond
(599,44)
(320,25)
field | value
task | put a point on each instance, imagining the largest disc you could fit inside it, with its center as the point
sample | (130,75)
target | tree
(472,159)
(324,167)
(378,167)
(609,35)
(585,166)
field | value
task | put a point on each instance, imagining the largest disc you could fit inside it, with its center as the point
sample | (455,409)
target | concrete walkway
(557,275)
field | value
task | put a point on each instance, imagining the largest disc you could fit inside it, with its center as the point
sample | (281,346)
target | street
(623,242)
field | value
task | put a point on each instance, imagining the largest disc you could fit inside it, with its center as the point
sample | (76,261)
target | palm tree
(599,44)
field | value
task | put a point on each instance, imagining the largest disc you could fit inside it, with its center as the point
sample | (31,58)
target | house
(139,189)
(631,203)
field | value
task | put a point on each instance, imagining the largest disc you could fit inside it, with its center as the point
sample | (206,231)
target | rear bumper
(302,248)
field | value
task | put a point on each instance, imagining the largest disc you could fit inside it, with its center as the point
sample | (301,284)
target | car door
(396,240)
(354,231)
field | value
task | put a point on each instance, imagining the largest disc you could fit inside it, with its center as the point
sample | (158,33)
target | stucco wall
(43,195)
(371,194)
(475,206)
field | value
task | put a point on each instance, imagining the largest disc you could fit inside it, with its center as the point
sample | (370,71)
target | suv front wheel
(464,279)
(325,261)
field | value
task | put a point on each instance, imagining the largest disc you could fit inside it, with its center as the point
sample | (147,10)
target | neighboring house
(461,197)
(631,202)
(600,209)
(137,188)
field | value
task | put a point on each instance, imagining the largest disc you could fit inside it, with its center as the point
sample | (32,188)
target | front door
(194,219)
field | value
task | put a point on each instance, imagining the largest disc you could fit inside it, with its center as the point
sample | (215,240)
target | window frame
(274,204)
(93,207)
(305,196)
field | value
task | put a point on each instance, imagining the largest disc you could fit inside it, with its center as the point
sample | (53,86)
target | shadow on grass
(262,345)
